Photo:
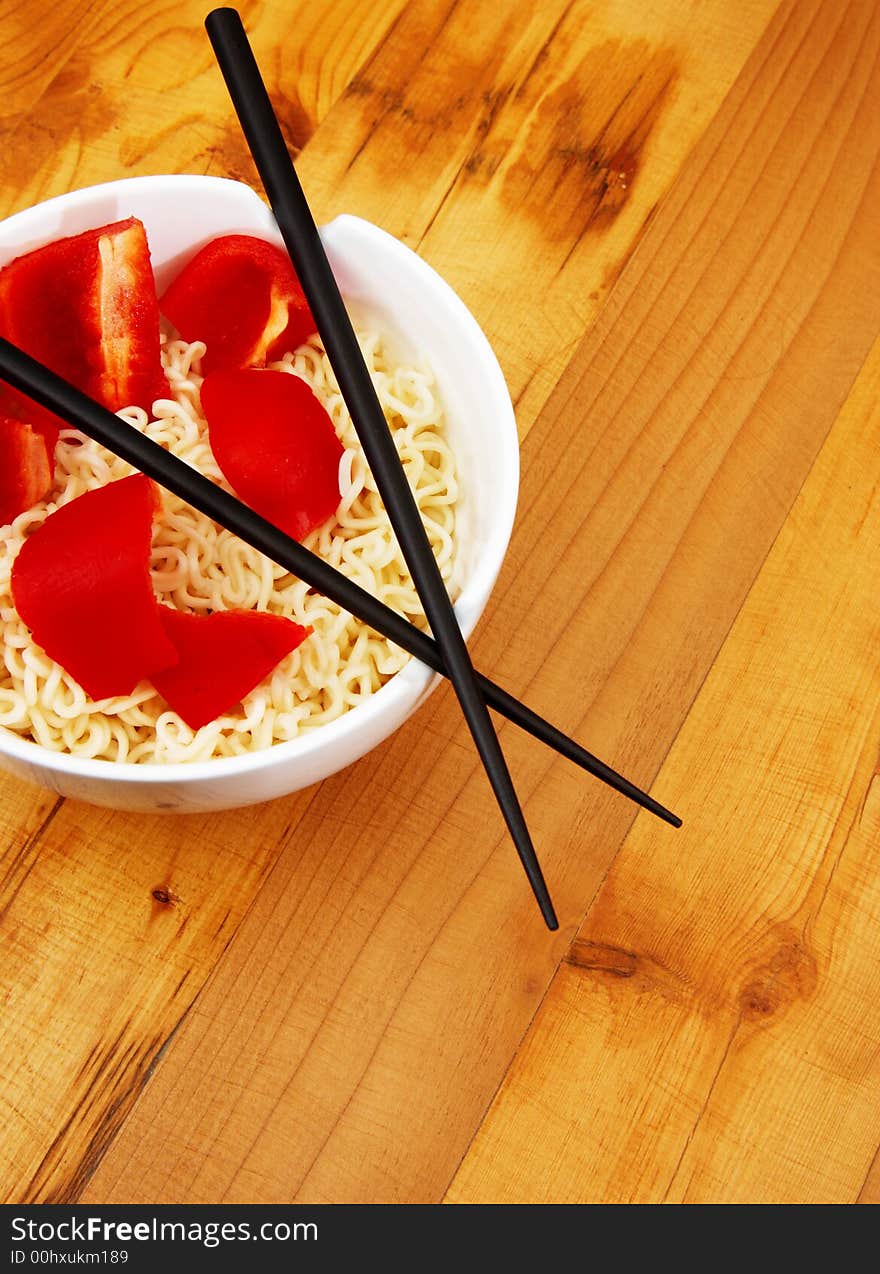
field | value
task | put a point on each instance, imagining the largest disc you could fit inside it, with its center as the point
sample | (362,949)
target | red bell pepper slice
(86,307)
(240,295)
(25,468)
(275,445)
(81,583)
(221,657)
(17,406)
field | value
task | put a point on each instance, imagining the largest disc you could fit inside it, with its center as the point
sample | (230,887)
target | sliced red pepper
(275,445)
(25,468)
(81,583)
(17,406)
(86,307)
(240,295)
(221,658)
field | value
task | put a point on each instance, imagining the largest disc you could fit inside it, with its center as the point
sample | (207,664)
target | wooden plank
(117,89)
(603,102)
(130,1018)
(714,1034)
(110,923)
(524,157)
(37,39)
(347,1045)
(870,1191)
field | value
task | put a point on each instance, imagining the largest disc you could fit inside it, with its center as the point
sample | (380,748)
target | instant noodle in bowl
(345,688)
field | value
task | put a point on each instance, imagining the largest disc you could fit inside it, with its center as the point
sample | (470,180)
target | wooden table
(665,217)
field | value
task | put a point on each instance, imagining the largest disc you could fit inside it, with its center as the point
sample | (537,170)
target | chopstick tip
(658,810)
(548,912)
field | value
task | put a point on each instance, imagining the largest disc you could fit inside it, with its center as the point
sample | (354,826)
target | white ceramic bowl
(381,277)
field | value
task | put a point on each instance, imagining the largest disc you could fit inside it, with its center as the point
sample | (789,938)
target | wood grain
(37,38)
(537,141)
(318,999)
(714,1033)
(94,92)
(370,1003)
(136,976)
(870,1191)
(110,923)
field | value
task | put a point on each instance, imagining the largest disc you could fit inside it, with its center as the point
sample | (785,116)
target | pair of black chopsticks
(447,652)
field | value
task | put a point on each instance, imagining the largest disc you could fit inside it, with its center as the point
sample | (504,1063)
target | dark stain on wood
(119,1073)
(102,1056)
(74,105)
(138,1073)
(602,958)
(222,924)
(789,974)
(87,1063)
(227,155)
(585,146)
(643,972)
(484,160)
(784,973)
(558,39)
(119,1091)
(297,125)
(162,899)
(110,1061)
(449,88)
(560,145)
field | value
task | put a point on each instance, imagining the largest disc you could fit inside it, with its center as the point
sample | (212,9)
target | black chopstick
(124,440)
(300,234)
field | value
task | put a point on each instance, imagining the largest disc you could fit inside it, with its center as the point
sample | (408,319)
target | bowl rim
(406,688)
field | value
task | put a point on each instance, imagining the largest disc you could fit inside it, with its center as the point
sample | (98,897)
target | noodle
(201,567)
